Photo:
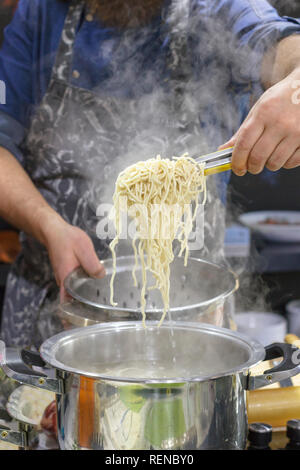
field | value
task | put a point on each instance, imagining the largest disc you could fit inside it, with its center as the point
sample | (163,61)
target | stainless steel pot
(118,387)
(202,292)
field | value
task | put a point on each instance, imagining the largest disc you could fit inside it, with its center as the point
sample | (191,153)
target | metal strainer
(198,292)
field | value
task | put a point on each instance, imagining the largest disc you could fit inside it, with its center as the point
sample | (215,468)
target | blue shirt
(240,32)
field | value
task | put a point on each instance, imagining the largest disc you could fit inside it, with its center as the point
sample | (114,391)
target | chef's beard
(125,13)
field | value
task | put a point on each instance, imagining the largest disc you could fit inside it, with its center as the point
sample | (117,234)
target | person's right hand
(68,248)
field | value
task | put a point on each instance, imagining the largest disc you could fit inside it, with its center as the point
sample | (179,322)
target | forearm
(21,204)
(281,61)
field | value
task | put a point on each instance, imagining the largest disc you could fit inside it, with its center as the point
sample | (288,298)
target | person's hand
(68,248)
(270,135)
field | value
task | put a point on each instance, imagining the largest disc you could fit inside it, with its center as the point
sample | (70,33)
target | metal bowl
(198,292)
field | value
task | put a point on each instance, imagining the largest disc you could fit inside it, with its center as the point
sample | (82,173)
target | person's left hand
(270,135)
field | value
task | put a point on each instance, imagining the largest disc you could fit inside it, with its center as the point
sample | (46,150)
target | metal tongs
(216,162)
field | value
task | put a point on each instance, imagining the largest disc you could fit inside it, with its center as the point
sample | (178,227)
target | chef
(90,82)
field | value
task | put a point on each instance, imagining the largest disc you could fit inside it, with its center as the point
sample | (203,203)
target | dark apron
(63,164)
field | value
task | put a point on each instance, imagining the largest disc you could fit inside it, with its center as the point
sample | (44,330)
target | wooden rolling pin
(292,339)
(277,405)
(274,406)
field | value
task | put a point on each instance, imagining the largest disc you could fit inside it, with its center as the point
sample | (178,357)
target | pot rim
(50,347)
(221,297)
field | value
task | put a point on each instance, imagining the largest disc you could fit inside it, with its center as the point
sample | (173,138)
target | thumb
(229,143)
(90,262)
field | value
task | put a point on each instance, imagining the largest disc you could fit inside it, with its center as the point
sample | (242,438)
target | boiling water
(151,369)
(146,370)
(172,337)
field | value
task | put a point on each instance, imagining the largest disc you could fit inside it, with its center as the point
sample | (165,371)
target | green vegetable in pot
(165,421)
(132,397)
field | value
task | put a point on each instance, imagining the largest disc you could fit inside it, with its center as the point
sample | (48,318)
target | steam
(254,293)
(216,62)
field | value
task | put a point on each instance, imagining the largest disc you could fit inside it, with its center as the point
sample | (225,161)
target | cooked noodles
(158,195)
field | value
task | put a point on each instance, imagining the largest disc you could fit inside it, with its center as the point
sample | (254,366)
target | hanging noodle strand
(158,194)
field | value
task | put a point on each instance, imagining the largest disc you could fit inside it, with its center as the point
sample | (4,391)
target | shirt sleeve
(256,26)
(16,69)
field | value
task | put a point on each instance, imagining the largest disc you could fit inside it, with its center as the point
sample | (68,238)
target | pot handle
(288,367)
(15,364)
(18,438)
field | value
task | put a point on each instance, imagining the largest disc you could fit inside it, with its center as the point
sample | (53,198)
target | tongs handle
(216,162)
